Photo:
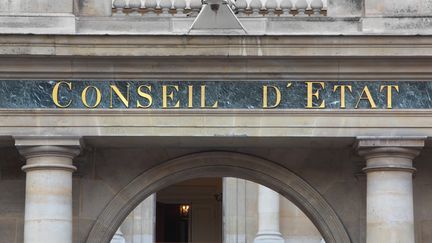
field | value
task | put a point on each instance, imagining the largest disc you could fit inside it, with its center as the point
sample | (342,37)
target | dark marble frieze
(38,94)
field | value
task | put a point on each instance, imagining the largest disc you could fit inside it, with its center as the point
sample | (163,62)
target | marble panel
(37,94)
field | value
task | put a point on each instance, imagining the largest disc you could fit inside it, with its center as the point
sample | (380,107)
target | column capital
(389,153)
(32,141)
(36,150)
(390,141)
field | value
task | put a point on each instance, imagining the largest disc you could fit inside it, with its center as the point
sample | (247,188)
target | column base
(270,237)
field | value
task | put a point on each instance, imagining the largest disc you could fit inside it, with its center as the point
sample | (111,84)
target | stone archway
(220,164)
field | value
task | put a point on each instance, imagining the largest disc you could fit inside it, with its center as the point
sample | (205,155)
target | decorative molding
(70,168)
(45,146)
(390,144)
(211,123)
(47,142)
(219,112)
(389,153)
(216,46)
(409,169)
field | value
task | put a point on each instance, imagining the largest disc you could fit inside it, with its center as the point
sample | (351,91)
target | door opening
(190,211)
(171,224)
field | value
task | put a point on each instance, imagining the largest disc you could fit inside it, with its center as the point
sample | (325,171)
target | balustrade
(243,8)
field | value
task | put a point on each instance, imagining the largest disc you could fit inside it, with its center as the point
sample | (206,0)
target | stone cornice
(261,123)
(215,46)
(208,67)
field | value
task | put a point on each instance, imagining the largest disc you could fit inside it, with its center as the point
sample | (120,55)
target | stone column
(48,195)
(268,217)
(234,210)
(389,202)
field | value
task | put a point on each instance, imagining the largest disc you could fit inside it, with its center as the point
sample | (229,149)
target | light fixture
(184,210)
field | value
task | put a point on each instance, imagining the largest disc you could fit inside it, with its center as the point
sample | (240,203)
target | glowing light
(184,210)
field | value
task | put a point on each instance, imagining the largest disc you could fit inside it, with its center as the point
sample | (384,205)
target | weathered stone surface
(29,7)
(8,230)
(343,17)
(398,8)
(39,24)
(94,8)
(397,25)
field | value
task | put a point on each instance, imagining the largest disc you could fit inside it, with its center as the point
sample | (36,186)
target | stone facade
(74,175)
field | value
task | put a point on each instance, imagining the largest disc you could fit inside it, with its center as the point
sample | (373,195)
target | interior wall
(202,195)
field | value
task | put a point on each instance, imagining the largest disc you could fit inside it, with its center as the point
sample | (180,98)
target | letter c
(55,94)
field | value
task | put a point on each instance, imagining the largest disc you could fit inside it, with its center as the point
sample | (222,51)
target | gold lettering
(342,93)
(389,93)
(147,96)
(165,96)
(190,96)
(311,95)
(84,97)
(119,95)
(265,97)
(55,94)
(368,97)
(203,99)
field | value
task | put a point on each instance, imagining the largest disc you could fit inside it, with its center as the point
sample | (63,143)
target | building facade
(320,107)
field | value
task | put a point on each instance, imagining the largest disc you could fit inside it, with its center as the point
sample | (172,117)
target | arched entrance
(220,164)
